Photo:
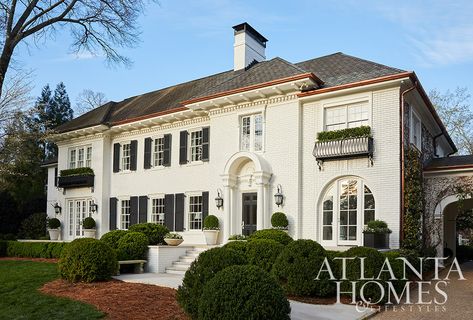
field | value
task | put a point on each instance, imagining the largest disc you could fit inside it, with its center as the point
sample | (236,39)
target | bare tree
(95,25)
(457,114)
(88,100)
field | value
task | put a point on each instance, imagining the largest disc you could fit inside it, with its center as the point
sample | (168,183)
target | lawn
(20,299)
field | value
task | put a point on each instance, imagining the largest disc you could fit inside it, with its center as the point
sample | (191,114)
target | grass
(20,298)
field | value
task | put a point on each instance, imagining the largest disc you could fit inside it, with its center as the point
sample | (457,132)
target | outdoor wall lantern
(57,208)
(94,207)
(219,199)
(278,197)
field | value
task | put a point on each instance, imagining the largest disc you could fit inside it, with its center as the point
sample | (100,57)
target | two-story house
(244,135)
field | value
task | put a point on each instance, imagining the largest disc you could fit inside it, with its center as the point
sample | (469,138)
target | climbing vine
(413,201)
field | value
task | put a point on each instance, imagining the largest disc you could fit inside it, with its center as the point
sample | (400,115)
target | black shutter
(205,206)
(148,142)
(169,211)
(133,154)
(116,157)
(143,209)
(205,143)
(133,210)
(183,147)
(113,213)
(179,212)
(55,177)
(167,150)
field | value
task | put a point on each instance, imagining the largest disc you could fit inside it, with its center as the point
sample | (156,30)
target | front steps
(184,262)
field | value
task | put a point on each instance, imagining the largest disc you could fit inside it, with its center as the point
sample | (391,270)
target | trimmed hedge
(88,260)
(132,246)
(200,272)
(211,223)
(271,234)
(34,227)
(153,231)
(3,248)
(358,132)
(297,266)
(45,250)
(243,292)
(263,253)
(77,172)
(240,246)
(111,238)
(54,223)
(88,223)
(279,220)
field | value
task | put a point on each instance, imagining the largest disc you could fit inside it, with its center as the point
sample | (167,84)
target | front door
(249,213)
(78,210)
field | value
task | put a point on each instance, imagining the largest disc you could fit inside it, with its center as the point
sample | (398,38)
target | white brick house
(165,155)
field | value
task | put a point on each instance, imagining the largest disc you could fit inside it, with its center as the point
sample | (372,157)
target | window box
(76,178)
(376,240)
(343,148)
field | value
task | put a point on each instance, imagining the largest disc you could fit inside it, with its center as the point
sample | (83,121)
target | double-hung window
(125,214)
(80,157)
(158,152)
(157,210)
(126,157)
(196,145)
(347,116)
(195,212)
(416,130)
(251,132)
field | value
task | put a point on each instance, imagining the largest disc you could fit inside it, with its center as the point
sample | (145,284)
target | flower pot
(89,233)
(54,234)
(173,242)
(376,240)
(211,236)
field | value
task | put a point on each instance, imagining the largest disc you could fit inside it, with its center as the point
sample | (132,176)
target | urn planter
(89,233)
(54,234)
(173,242)
(376,240)
(211,236)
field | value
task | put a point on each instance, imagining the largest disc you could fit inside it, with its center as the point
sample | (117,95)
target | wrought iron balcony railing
(343,148)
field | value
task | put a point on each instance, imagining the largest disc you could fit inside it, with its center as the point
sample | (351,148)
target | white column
(267,206)
(227,204)
(260,207)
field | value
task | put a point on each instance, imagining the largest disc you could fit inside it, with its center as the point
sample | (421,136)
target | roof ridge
(325,56)
(291,64)
(373,62)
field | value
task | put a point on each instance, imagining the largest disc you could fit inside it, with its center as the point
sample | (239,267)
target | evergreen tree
(40,120)
(60,108)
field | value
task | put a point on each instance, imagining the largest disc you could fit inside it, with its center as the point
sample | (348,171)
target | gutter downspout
(401,224)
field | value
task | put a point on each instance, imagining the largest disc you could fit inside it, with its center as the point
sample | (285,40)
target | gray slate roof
(449,162)
(335,69)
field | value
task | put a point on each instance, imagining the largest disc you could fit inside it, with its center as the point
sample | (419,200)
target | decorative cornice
(268,101)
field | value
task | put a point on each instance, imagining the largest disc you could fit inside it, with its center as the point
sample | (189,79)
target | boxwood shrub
(200,272)
(240,246)
(54,223)
(243,292)
(271,234)
(35,249)
(133,246)
(297,266)
(279,220)
(263,253)
(111,238)
(155,232)
(88,223)
(88,260)
(3,248)
(83,171)
(363,131)
(211,223)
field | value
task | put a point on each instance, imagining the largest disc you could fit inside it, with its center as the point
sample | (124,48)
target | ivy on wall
(413,201)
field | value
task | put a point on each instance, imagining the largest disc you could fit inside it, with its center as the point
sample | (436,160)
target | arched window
(347,206)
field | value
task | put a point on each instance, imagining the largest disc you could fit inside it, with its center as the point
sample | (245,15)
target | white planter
(89,233)
(173,242)
(211,236)
(54,234)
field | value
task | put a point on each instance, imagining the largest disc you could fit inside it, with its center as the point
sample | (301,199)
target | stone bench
(139,265)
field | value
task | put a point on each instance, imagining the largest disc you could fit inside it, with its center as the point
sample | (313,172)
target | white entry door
(78,210)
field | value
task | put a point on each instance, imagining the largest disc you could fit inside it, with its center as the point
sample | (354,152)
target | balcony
(76,178)
(343,148)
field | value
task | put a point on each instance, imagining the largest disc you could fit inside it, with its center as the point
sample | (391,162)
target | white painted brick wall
(162,257)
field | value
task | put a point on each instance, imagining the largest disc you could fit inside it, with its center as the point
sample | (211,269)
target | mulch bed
(30,259)
(121,300)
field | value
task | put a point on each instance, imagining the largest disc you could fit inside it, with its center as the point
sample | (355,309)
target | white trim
(412,128)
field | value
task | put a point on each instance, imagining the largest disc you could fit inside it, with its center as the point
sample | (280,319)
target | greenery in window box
(238,237)
(358,132)
(54,223)
(77,172)
(377,226)
(279,221)
(172,235)
(88,223)
(211,223)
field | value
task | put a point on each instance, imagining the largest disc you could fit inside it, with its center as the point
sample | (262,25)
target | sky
(186,40)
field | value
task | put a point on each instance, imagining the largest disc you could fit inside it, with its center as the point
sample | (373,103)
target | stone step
(175,271)
(182,263)
(179,267)
(186,259)
(193,255)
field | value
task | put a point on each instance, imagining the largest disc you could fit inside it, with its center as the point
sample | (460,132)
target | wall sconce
(278,197)
(94,207)
(57,208)
(219,199)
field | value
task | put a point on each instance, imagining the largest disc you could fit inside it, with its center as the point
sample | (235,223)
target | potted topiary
(173,239)
(211,229)
(376,235)
(54,226)
(279,221)
(89,227)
